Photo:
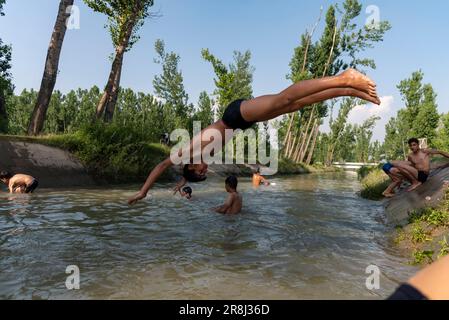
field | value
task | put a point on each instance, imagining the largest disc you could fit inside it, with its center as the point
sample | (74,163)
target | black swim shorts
(232,117)
(407,292)
(32,187)
(423,176)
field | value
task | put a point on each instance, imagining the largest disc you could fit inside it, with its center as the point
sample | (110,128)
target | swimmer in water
(243,114)
(234,203)
(186,192)
(258,179)
(16,182)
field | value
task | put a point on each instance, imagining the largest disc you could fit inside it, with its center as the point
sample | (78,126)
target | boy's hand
(136,198)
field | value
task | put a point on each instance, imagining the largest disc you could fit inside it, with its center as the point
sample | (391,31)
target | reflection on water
(308,237)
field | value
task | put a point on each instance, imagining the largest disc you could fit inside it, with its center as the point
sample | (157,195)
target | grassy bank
(374,181)
(115,154)
(110,153)
(426,237)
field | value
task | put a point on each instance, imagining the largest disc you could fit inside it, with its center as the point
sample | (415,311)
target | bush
(112,152)
(287,166)
(374,184)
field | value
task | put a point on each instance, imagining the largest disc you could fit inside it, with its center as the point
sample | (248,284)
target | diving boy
(243,114)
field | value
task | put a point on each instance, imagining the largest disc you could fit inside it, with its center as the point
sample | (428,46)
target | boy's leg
(256,109)
(410,172)
(315,98)
(396,182)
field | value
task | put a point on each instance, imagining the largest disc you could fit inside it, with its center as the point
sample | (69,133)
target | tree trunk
(303,154)
(108,101)
(312,149)
(51,69)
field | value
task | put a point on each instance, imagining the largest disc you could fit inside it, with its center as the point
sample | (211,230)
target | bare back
(236,203)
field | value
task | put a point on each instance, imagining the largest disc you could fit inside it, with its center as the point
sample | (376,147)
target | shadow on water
(308,237)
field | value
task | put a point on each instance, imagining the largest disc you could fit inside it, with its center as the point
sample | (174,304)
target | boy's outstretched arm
(436,152)
(152,178)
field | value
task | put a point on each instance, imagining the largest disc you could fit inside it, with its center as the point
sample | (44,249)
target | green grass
(374,184)
(287,166)
(421,256)
(444,249)
(419,235)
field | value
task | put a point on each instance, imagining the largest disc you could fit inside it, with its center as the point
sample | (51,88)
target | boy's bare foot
(388,195)
(414,186)
(362,95)
(359,81)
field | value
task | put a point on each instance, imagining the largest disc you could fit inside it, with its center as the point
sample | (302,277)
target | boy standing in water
(233,204)
(19,183)
(258,179)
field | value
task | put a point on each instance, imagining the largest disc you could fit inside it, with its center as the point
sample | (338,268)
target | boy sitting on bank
(19,183)
(233,204)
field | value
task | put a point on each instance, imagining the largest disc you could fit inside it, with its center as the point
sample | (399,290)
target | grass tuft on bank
(427,234)
(374,183)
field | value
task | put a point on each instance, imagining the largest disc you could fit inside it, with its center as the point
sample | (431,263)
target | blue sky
(270,29)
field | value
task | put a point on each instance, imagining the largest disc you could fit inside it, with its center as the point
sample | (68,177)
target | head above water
(413,143)
(195,172)
(231,183)
(188,191)
(5,176)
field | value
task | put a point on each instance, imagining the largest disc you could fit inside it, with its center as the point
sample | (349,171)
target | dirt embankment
(51,166)
(430,194)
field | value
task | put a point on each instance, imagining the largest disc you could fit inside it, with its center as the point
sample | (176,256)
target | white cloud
(360,113)
(363,112)
(385,111)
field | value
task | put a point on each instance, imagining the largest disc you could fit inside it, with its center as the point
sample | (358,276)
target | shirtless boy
(19,183)
(233,204)
(417,167)
(243,114)
(258,179)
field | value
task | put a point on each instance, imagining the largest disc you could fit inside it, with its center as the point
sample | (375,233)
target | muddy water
(308,237)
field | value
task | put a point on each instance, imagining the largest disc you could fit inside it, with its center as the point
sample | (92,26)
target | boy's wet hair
(187,190)
(232,182)
(5,175)
(191,176)
(413,140)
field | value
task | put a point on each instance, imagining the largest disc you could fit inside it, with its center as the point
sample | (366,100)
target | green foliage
(364,171)
(363,135)
(2,2)
(339,47)
(436,217)
(418,119)
(286,166)
(204,112)
(6,86)
(442,139)
(232,82)
(374,184)
(112,152)
(419,235)
(444,249)
(421,256)
(123,14)
(169,86)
